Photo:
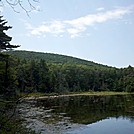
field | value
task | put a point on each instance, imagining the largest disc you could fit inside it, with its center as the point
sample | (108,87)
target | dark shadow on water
(89,109)
(80,114)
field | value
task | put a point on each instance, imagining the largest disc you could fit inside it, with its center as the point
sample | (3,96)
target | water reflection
(89,109)
(107,126)
(80,114)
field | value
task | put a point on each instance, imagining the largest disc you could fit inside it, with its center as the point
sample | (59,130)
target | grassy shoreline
(45,95)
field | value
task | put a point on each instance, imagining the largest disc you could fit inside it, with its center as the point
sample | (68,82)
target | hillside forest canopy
(44,72)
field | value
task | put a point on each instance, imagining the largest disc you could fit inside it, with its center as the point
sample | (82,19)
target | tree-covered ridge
(53,58)
(34,74)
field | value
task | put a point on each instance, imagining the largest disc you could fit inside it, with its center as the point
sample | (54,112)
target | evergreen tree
(4,58)
(43,76)
(4,38)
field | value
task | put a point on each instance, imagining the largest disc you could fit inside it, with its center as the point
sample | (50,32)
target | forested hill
(53,58)
(44,72)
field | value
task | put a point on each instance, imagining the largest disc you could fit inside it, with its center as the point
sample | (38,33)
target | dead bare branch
(18,3)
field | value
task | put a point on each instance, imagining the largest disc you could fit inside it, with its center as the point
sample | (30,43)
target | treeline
(23,75)
(53,58)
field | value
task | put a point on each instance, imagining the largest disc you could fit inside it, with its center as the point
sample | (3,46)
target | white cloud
(40,30)
(76,26)
(100,9)
(74,32)
(90,20)
(55,27)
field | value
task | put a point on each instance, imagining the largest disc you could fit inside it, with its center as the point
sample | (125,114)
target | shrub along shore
(46,95)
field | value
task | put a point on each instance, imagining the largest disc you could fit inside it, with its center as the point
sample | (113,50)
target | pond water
(80,114)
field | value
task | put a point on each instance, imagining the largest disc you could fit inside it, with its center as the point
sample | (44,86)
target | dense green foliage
(8,122)
(38,72)
(53,58)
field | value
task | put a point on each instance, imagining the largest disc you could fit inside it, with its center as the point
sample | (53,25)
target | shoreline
(41,119)
(34,96)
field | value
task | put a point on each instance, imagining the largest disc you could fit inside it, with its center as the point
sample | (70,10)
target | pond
(79,114)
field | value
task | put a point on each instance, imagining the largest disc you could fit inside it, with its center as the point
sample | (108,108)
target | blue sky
(99,30)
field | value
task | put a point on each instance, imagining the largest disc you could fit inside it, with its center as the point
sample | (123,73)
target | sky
(96,30)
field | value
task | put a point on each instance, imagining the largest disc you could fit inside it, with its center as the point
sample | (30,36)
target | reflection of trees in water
(131,119)
(89,109)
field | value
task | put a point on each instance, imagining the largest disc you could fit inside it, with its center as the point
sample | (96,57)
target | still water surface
(107,126)
(80,114)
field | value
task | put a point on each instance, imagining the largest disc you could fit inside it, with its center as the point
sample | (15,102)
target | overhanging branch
(14,3)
